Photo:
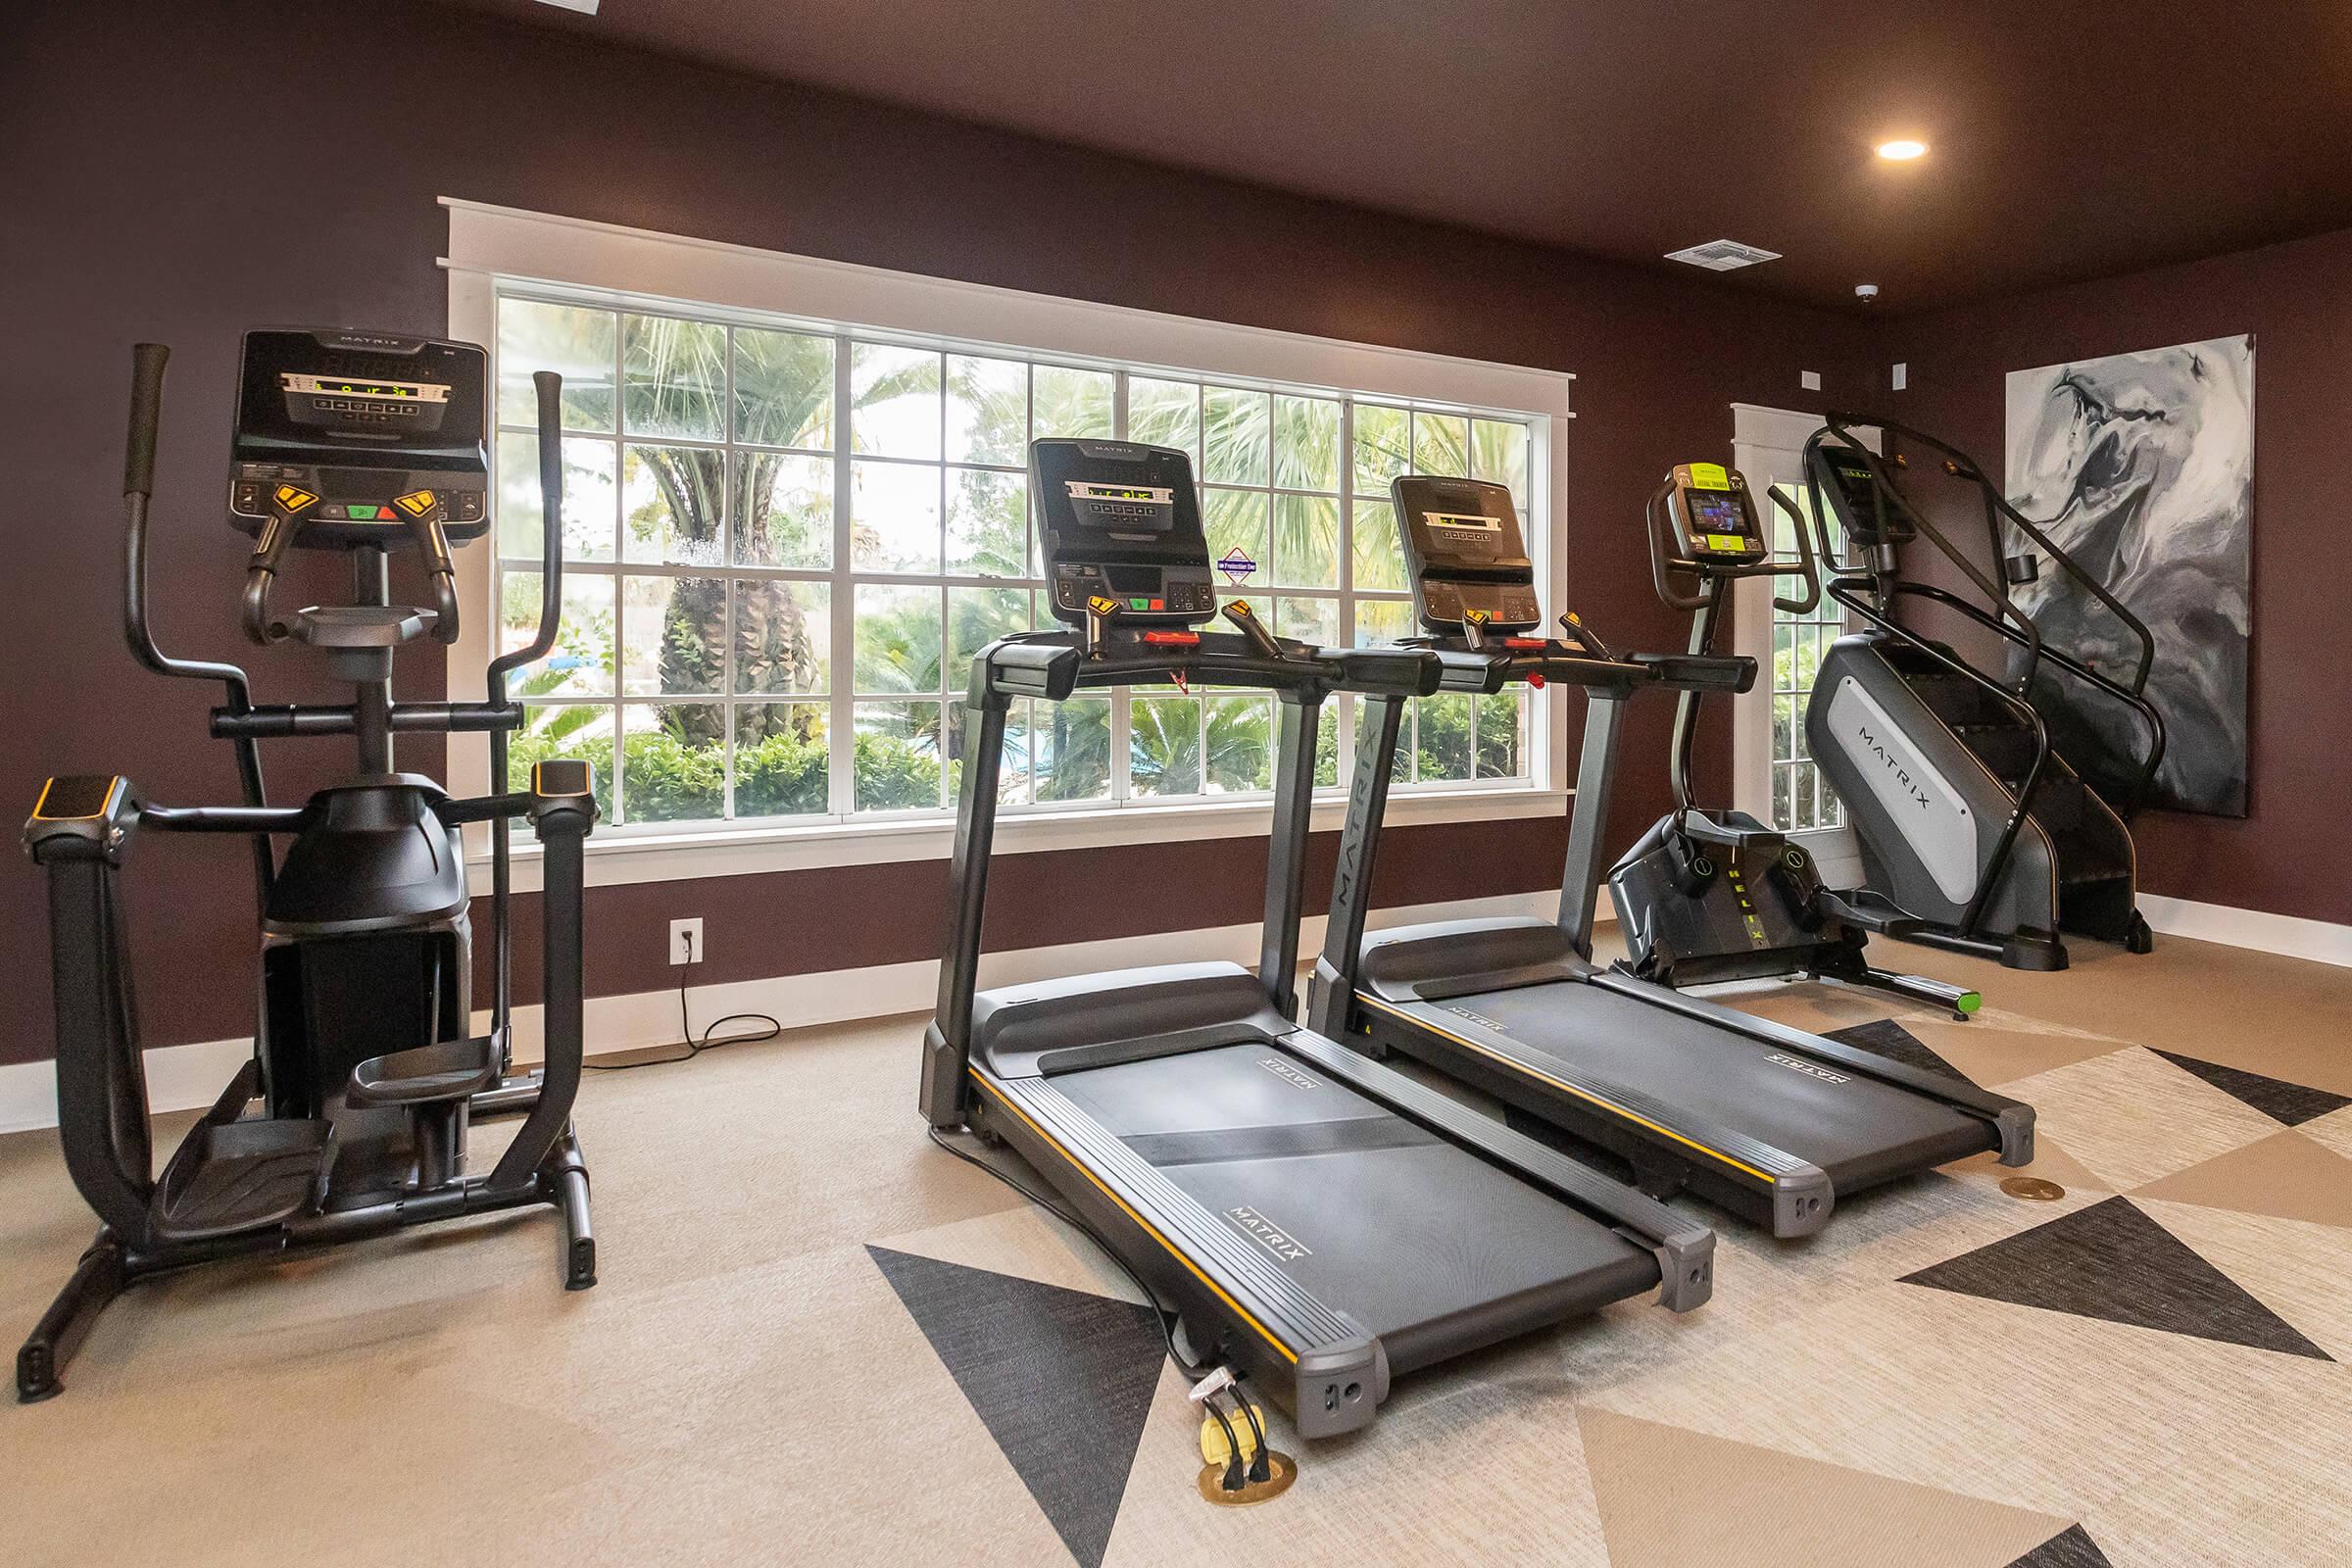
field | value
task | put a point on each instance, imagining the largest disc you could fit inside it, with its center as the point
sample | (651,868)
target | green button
(1139,604)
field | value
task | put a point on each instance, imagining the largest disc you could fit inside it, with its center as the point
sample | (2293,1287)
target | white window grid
(1802,799)
(1339,606)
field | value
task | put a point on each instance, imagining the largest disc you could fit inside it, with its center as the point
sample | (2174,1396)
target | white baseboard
(2284,933)
(191,1076)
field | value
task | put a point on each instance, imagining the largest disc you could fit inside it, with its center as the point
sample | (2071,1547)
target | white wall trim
(2290,936)
(191,1076)
(657,857)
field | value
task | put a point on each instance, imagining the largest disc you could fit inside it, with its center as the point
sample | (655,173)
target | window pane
(1501,729)
(671,501)
(783,390)
(1239,430)
(1381,622)
(1327,744)
(896,756)
(1780,815)
(1498,452)
(894,517)
(783,636)
(673,378)
(988,410)
(1240,751)
(894,401)
(1783,725)
(976,618)
(986,523)
(1378,547)
(1310,620)
(1164,414)
(1382,447)
(1072,402)
(781,760)
(1071,744)
(581,664)
(897,635)
(1012,763)
(1443,745)
(570,732)
(1307,541)
(1164,746)
(675,761)
(591,499)
(783,510)
(673,635)
(1306,443)
(1441,444)
(1237,521)
(576,343)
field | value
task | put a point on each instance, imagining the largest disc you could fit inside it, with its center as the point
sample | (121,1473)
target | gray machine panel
(1424,1245)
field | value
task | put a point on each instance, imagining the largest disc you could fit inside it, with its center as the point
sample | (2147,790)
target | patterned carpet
(820,1340)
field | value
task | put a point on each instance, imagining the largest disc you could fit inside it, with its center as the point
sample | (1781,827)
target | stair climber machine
(350,1120)
(1975,833)
(1320,1222)
(1714,896)
(1770,1122)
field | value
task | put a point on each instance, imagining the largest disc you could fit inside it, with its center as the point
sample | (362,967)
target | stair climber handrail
(2150,719)
(1855,593)
(1960,466)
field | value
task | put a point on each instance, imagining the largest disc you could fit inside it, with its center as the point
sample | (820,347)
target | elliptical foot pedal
(235,1176)
(450,1071)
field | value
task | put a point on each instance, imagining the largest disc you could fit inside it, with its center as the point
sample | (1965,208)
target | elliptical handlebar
(1807,566)
(147,362)
(1666,562)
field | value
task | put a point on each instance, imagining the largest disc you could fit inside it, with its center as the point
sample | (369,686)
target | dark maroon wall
(160,183)
(2291,855)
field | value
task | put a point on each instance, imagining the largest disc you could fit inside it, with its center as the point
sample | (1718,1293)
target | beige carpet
(759,1378)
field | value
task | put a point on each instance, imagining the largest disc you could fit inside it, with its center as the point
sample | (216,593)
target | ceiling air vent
(1722,255)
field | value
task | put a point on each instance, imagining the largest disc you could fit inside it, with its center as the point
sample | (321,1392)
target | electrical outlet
(686,941)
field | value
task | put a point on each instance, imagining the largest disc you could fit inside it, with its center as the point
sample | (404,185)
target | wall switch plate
(1902,374)
(686,941)
(1810,381)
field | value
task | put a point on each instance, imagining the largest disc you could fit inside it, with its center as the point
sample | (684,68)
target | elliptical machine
(350,1120)
(1715,896)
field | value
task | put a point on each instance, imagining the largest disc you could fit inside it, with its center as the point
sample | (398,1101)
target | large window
(1802,799)
(783,545)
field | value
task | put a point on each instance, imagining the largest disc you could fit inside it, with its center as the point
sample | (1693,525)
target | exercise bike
(350,1120)
(1709,896)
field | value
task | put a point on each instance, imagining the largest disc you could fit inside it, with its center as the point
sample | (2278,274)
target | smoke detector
(1866,292)
(1722,255)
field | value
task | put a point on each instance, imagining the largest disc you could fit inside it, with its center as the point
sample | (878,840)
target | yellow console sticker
(1709,476)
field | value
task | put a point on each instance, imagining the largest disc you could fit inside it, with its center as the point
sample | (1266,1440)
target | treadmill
(1320,1222)
(1770,1122)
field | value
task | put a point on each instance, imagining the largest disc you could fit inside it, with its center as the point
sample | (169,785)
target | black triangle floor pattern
(2112,1262)
(2277,1098)
(1062,1380)
(2071,1548)
(1895,1042)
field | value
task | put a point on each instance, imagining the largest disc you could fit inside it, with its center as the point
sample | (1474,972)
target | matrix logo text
(1903,774)
(1809,1069)
(1268,1235)
(1287,1073)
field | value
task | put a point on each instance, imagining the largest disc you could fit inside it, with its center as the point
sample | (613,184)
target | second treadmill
(1771,1122)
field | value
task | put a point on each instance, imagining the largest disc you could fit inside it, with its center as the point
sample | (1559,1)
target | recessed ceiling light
(1901,152)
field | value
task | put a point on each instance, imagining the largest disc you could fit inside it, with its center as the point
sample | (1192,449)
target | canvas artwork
(2141,468)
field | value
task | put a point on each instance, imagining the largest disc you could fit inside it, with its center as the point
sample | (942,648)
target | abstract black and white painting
(2140,466)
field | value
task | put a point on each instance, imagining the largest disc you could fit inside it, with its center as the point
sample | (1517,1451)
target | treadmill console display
(1464,554)
(357,432)
(1716,514)
(1121,520)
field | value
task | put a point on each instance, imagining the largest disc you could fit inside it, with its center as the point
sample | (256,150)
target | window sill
(677,857)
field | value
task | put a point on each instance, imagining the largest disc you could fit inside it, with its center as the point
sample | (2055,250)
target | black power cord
(1192,1372)
(692,1045)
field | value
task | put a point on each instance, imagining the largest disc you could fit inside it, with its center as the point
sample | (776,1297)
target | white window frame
(626,267)
(1768,447)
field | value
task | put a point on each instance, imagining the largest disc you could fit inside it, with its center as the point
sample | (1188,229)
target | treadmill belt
(1858,1130)
(1278,1142)
(1415,1237)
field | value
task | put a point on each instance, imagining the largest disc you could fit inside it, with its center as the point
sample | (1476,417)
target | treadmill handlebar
(1053,664)
(1535,661)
